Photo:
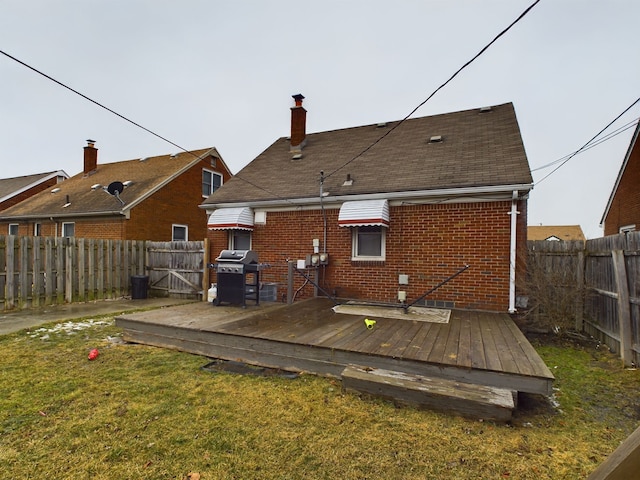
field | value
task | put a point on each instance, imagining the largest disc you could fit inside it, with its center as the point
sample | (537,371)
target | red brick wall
(426,242)
(625,207)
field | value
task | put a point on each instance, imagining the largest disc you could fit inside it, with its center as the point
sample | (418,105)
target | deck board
(476,347)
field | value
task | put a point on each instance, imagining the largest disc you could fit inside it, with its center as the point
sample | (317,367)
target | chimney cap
(298,97)
(91,142)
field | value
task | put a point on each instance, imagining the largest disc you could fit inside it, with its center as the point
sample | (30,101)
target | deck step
(449,396)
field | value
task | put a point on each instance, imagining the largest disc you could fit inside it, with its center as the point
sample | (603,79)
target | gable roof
(627,156)
(10,187)
(555,232)
(479,150)
(85,195)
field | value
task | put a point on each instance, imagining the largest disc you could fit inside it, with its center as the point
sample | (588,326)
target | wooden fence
(595,283)
(38,271)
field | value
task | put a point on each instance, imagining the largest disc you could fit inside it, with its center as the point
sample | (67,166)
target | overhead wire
(588,143)
(469,62)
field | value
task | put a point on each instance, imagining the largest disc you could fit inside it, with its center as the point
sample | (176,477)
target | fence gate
(176,268)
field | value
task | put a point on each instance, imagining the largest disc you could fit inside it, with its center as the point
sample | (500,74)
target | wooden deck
(473,347)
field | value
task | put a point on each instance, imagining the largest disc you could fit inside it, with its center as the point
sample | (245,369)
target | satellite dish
(115,188)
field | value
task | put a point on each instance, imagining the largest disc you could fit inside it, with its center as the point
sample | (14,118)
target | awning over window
(364,213)
(231,218)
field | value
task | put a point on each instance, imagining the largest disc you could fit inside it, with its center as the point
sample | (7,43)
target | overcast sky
(207,73)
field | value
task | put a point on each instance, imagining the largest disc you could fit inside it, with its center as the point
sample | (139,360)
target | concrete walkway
(17,320)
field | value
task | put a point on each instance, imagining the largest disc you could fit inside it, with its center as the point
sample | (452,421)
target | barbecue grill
(238,273)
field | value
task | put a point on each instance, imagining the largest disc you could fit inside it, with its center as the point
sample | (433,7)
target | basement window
(368,243)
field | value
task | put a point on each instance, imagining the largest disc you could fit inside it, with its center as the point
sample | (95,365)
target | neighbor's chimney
(298,124)
(90,157)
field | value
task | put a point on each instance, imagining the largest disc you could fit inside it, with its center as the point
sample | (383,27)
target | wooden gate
(176,269)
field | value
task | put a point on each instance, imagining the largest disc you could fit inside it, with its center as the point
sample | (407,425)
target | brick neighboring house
(157,199)
(555,232)
(395,215)
(622,213)
(15,190)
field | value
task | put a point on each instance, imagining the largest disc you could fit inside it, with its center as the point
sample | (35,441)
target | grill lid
(244,257)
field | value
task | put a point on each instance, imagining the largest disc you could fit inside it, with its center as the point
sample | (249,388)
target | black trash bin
(139,286)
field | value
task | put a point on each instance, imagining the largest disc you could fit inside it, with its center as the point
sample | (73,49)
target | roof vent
(67,203)
(349,181)
(96,186)
(55,190)
(173,155)
(297,156)
(486,109)
(381,125)
(435,139)
(144,159)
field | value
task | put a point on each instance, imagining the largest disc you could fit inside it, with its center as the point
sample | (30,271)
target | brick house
(397,207)
(622,213)
(15,190)
(154,198)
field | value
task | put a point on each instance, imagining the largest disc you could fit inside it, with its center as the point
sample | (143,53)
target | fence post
(624,308)
(205,270)
(9,300)
(581,289)
(68,273)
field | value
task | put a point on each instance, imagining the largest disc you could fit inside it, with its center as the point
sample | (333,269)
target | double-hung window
(239,239)
(68,229)
(211,181)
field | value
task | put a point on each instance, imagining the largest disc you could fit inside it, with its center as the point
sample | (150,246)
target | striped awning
(240,218)
(363,213)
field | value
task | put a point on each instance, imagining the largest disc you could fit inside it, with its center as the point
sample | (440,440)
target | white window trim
(37,229)
(186,232)
(64,224)
(231,233)
(16,225)
(213,172)
(627,228)
(368,258)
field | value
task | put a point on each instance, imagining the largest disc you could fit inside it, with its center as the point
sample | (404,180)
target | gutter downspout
(512,254)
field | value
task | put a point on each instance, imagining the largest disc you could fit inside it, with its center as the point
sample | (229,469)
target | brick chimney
(90,157)
(298,124)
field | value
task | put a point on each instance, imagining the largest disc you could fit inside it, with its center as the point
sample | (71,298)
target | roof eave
(452,194)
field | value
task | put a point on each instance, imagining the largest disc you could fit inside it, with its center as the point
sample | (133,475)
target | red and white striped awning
(240,218)
(362,213)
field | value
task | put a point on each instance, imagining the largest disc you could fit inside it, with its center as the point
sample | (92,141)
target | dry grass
(141,412)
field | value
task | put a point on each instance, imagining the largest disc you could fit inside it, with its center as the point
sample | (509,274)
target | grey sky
(221,73)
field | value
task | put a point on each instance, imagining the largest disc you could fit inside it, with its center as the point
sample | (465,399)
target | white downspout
(512,254)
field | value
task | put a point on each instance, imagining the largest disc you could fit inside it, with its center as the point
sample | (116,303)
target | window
(368,243)
(239,240)
(180,233)
(211,181)
(627,228)
(13,229)
(68,229)
(37,229)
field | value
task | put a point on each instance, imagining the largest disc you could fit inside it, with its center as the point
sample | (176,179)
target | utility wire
(484,49)
(588,143)
(92,101)
(607,137)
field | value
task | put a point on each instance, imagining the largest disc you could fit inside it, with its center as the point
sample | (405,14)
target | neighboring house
(154,198)
(555,232)
(622,213)
(15,190)
(396,207)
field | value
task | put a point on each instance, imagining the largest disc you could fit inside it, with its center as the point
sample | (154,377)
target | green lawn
(139,412)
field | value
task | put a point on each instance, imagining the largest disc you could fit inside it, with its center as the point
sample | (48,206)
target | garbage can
(139,286)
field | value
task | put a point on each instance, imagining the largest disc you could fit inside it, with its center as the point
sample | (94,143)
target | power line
(92,100)
(588,143)
(607,137)
(484,49)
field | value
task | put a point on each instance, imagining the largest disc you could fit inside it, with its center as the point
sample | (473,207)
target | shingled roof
(83,194)
(477,148)
(10,187)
